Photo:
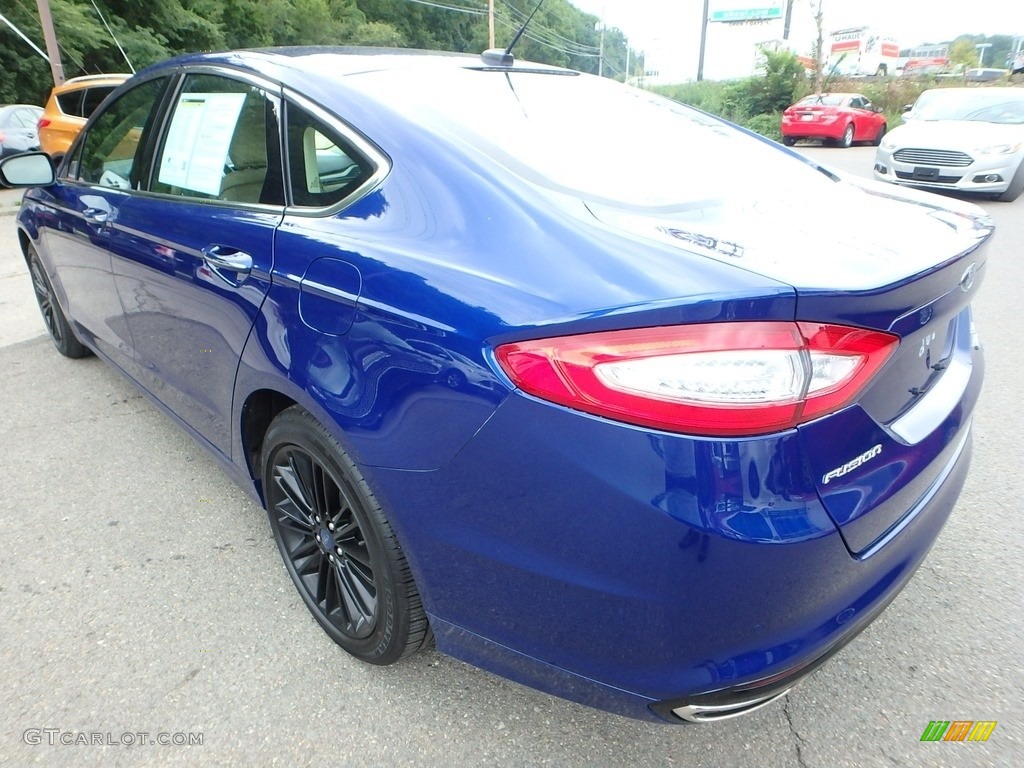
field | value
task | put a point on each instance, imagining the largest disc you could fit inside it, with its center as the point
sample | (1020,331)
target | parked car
(18,128)
(962,139)
(835,118)
(69,106)
(594,424)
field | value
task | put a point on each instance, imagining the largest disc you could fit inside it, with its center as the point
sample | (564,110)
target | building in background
(927,60)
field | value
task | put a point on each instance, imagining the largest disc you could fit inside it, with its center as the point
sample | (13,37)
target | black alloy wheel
(56,324)
(337,545)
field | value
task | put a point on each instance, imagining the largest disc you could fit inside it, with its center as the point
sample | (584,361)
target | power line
(476,10)
(535,32)
(546,43)
(32,15)
(546,32)
(540,35)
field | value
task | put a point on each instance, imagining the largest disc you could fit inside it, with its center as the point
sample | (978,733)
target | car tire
(57,325)
(880,135)
(847,141)
(789,141)
(337,545)
(1016,186)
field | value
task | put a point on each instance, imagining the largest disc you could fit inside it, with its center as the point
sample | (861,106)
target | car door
(102,175)
(863,119)
(192,259)
(20,130)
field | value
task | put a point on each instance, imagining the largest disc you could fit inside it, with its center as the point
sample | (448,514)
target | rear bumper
(812,129)
(640,572)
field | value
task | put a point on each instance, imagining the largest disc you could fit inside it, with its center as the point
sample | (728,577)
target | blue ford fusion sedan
(594,390)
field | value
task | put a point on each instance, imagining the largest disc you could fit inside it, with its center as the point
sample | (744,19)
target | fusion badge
(851,465)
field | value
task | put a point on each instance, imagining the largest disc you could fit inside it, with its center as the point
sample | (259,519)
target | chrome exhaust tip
(707,713)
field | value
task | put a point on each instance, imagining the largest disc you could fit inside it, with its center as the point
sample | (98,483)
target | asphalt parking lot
(141,594)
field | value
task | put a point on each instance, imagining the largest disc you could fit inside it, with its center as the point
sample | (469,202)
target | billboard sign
(746,10)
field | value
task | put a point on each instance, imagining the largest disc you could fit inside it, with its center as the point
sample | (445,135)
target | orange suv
(69,106)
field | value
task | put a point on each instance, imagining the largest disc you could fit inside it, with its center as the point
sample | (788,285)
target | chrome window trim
(380,161)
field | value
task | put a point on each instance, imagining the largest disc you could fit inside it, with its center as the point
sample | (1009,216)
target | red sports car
(835,118)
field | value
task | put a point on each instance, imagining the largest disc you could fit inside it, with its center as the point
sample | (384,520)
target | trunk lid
(872,257)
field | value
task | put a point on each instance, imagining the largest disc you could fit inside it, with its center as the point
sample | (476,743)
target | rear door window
(222,142)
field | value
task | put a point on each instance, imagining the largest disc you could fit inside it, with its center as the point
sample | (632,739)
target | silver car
(963,139)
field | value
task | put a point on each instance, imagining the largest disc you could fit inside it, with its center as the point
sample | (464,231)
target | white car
(963,139)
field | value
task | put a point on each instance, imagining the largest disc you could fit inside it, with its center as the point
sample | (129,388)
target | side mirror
(907,108)
(30,169)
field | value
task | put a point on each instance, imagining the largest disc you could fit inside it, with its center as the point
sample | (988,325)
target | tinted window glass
(222,143)
(94,97)
(585,135)
(70,103)
(108,155)
(324,168)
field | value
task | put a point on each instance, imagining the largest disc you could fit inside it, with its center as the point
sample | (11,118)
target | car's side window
(222,142)
(70,103)
(93,97)
(25,118)
(324,168)
(108,155)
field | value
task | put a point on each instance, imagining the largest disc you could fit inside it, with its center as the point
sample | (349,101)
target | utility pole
(703,40)
(600,60)
(789,19)
(490,23)
(819,55)
(50,35)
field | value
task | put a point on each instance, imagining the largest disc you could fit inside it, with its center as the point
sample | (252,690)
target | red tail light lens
(722,379)
(43,122)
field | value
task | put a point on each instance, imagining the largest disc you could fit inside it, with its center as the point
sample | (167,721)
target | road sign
(764,13)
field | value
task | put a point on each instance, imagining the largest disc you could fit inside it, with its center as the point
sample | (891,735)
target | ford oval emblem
(967,279)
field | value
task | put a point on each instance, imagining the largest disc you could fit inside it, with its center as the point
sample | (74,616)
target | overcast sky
(669,30)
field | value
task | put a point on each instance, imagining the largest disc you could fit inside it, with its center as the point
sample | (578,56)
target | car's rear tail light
(716,379)
(43,122)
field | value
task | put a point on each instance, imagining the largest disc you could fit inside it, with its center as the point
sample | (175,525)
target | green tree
(963,53)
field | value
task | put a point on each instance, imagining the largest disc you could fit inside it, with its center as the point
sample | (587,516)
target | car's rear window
(587,135)
(825,99)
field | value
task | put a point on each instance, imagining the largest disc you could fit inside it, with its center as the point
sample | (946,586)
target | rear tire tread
(409,609)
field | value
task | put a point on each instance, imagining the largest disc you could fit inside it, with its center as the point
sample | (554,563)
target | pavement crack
(799,741)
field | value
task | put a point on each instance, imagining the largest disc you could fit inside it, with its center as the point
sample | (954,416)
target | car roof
(332,62)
